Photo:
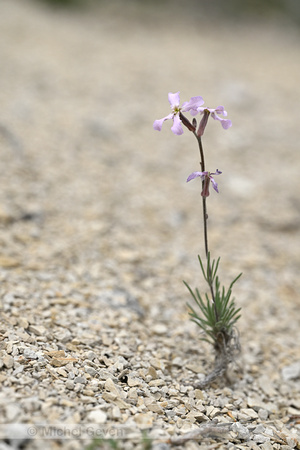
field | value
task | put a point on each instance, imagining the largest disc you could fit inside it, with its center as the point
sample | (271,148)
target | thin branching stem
(205,218)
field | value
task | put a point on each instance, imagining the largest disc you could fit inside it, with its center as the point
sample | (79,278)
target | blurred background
(88,186)
(233,9)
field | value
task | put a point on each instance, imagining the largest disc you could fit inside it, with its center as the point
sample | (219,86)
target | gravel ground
(98,228)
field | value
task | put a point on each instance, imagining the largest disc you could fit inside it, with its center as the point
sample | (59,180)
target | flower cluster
(206,177)
(194,106)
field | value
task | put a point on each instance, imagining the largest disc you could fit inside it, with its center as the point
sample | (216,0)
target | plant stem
(205,217)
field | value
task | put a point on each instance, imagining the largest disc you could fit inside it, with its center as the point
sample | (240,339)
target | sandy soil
(98,227)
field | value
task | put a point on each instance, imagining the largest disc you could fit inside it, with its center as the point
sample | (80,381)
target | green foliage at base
(217,317)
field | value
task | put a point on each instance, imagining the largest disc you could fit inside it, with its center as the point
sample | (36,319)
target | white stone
(97,416)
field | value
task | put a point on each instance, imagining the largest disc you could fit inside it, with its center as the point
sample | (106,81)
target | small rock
(23,323)
(97,416)
(8,262)
(156,383)
(199,394)
(8,361)
(144,420)
(266,446)
(249,412)
(116,413)
(90,355)
(260,438)
(152,372)
(12,410)
(154,407)
(292,441)
(259,429)
(241,431)
(38,330)
(80,379)
(177,361)
(263,414)
(9,347)
(255,403)
(157,363)
(133,381)
(70,384)
(160,329)
(90,370)
(196,368)
(111,387)
(30,354)
(291,372)
(62,372)
(63,336)
(266,385)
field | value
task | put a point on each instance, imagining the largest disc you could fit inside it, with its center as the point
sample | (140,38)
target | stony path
(98,228)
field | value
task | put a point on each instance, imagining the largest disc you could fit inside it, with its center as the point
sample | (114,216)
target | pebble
(110,386)
(144,420)
(263,414)
(38,330)
(160,329)
(260,438)
(157,363)
(12,411)
(291,372)
(97,416)
(8,361)
(23,322)
(266,446)
(241,431)
(266,385)
(90,370)
(249,412)
(70,384)
(90,355)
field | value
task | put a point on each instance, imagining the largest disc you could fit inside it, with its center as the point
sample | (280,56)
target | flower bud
(203,123)
(187,123)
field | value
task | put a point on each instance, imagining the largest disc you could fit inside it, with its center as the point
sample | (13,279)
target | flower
(192,106)
(206,177)
(226,123)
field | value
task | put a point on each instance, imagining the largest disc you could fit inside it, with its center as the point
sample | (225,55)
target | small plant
(215,312)
(99,443)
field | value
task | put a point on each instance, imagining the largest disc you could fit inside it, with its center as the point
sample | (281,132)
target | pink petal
(200,110)
(215,185)
(177,127)
(221,110)
(226,123)
(193,104)
(157,125)
(195,175)
(217,172)
(174,99)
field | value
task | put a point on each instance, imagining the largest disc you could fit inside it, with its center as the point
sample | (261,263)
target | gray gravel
(98,228)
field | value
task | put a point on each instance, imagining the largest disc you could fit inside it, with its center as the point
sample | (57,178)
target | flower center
(176,110)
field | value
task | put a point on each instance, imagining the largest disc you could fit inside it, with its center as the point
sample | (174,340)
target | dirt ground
(98,227)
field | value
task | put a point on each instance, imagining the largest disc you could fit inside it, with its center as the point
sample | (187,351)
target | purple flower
(174,101)
(206,177)
(226,123)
